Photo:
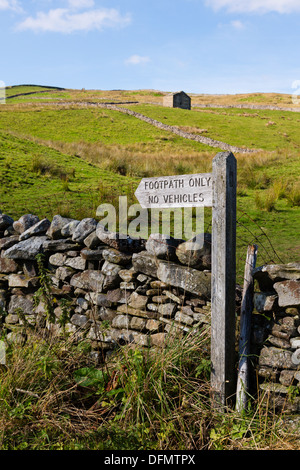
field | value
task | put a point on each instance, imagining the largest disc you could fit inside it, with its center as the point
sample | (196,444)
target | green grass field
(92,126)
(255,129)
(69,159)
(37,179)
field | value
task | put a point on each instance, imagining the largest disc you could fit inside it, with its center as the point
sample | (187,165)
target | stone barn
(177,100)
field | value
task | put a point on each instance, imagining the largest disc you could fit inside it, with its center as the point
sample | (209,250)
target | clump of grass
(182,168)
(279,188)
(65,184)
(8,162)
(119,165)
(241,190)
(44,166)
(253,180)
(266,200)
(293,194)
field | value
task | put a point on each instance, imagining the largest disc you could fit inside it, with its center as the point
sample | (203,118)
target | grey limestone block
(288,293)
(188,279)
(25,222)
(26,249)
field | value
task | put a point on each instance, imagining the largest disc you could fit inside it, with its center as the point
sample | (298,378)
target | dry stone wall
(102,287)
(276,334)
(248,106)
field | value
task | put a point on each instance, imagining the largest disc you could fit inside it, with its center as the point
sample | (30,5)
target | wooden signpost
(216,190)
(223,377)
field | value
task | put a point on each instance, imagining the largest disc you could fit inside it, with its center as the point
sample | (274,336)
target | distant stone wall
(247,106)
(107,289)
(276,334)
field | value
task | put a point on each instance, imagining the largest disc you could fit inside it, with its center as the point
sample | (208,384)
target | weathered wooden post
(242,387)
(223,377)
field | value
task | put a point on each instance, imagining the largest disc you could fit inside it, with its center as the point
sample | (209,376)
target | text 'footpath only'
(175,191)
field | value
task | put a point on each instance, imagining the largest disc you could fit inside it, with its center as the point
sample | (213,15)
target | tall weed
(44,166)
(266,200)
(293,194)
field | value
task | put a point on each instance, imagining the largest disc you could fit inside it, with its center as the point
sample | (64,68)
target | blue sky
(200,46)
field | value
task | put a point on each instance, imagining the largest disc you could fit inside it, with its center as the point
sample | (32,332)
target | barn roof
(177,93)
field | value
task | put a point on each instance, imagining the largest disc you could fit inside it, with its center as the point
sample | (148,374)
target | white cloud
(62,20)
(10,5)
(237,24)
(255,6)
(137,60)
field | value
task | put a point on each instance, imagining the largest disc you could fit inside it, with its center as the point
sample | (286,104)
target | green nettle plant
(65,306)
(44,293)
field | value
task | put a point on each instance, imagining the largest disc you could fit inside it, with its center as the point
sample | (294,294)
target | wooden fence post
(223,376)
(242,388)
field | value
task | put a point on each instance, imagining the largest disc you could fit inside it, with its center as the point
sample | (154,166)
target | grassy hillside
(90,125)
(256,129)
(15,92)
(37,179)
(69,158)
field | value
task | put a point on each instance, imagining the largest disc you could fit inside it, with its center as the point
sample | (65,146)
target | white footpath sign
(175,191)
